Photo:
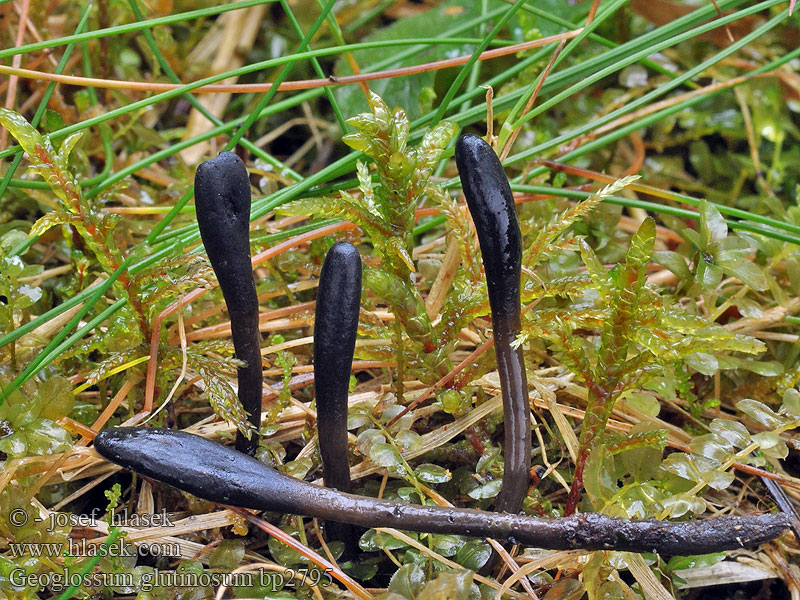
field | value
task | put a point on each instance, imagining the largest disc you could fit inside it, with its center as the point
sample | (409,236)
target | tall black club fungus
(491,205)
(222,199)
(335,329)
(221,474)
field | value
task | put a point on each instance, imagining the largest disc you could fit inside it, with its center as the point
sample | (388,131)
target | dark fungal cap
(222,188)
(343,251)
(491,205)
(483,168)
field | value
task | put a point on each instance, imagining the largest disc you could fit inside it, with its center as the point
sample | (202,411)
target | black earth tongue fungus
(222,200)
(335,329)
(491,205)
(221,474)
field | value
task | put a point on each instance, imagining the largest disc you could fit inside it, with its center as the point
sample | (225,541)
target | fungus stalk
(222,199)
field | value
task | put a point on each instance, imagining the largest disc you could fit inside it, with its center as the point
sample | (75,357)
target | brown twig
(305,84)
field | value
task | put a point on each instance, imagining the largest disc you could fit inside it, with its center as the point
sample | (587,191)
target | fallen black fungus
(220,474)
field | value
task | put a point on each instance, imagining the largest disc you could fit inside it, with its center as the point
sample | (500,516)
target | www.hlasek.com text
(85,547)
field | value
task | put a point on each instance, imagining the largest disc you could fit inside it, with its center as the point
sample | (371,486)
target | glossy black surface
(491,205)
(222,200)
(335,329)
(220,474)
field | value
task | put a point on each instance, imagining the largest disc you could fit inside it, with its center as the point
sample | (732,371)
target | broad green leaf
(486,490)
(715,448)
(473,554)
(743,269)
(367,439)
(791,402)
(408,441)
(373,541)
(674,262)
(407,581)
(719,480)
(430,473)
(708,275)
(24,412)
(771,444)
(298,468)
(359,415)
(25,296)
(12,266)
(770,368)
(712,225)
(734,432)
(46,437)
(448,585)
(644,402)
(57,398)
(697,561)
(227,555)
(609,590)
(409,494)
(385,455)
(454,402)
(641,463)
(600,476)
(761,413)
(447,545)
(703,362)
(692,236)
(283,554)
(15,445)
(682,465)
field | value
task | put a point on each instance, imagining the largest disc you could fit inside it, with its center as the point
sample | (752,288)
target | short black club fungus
(335,329)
